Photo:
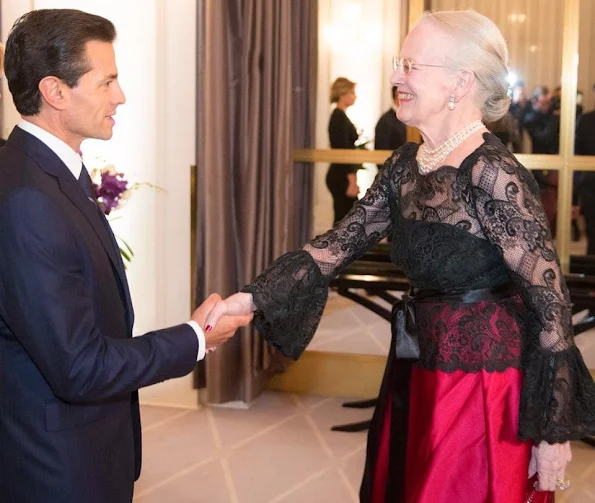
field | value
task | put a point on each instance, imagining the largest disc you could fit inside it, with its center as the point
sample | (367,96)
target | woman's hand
(549,462)
(238,304)
(352,187)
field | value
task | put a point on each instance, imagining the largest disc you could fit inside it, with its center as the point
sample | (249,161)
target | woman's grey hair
(481,48)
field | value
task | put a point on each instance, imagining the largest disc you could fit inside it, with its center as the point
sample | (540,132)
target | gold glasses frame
(406,65)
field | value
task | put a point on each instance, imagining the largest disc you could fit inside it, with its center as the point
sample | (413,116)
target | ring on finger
(563,484)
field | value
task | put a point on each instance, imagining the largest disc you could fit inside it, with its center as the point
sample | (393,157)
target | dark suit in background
(390,133)
(342,134)
(585,182)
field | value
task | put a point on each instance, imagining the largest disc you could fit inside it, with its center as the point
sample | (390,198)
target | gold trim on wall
(347,156)
(567,126)
(332,374)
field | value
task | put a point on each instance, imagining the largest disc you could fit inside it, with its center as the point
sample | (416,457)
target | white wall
(154,141)
(357,39)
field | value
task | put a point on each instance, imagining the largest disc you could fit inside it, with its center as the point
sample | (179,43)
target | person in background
(585,181)
(507,131)
(542,123)
(519,107)
(579,104)
(341,179)
(390,133)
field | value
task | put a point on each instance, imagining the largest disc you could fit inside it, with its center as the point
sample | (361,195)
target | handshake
(220,318)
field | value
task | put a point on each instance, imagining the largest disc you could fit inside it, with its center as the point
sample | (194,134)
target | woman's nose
(397,77)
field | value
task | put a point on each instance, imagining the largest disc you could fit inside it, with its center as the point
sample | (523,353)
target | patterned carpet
(281,450)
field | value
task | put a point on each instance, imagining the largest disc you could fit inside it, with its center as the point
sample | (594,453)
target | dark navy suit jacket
(69,367)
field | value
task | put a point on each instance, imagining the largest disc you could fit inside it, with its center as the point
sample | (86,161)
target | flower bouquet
(112,191)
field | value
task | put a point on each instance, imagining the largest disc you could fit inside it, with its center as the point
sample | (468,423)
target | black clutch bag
(403,329)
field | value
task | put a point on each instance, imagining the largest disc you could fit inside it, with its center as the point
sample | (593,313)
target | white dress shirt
(74,163)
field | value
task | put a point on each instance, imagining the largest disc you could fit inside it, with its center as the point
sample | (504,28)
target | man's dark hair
(394,91)
(539,91)
(50,42)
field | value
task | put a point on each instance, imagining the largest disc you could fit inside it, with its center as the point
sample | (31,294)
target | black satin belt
(403,313)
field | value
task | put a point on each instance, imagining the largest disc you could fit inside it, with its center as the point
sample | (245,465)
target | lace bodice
(456,229)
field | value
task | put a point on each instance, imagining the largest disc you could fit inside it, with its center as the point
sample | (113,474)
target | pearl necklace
(428,160)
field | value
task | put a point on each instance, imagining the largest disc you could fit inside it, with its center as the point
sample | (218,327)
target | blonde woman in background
(341,178)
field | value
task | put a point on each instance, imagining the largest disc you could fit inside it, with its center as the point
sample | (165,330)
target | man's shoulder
(387,117)
(389,114)
(17,171)
(588,117)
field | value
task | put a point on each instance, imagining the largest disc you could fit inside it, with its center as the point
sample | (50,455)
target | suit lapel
(71,189)
(49,162)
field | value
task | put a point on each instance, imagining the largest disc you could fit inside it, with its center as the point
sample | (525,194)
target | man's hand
(226,326)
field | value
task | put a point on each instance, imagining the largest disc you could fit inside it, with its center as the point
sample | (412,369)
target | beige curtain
(304,15)
(249,207)
(533,32)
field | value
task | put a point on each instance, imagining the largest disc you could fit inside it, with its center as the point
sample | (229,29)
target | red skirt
(462,443)
(450,437)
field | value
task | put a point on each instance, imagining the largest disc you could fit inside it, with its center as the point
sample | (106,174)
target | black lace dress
(457,229)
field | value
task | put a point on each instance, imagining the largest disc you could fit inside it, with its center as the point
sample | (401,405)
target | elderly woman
(499,387)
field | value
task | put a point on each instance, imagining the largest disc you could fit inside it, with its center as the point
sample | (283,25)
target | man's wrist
(202,344)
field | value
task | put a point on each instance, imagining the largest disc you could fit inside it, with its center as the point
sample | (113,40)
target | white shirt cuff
(202,344)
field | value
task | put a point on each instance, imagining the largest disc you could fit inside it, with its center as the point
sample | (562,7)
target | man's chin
(105,135)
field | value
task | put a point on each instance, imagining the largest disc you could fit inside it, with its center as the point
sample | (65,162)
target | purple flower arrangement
(111,189)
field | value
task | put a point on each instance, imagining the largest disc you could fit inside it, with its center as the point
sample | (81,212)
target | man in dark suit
(69,366)
(390,132)
(2,140)
(585,182)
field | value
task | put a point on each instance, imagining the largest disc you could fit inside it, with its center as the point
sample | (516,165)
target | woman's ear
(464,82)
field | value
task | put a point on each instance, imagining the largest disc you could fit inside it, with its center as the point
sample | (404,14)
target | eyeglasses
(407,64)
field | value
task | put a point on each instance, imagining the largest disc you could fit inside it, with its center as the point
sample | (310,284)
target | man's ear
(53,92)
(465,80)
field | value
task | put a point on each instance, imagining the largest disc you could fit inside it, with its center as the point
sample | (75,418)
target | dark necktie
(86,183)
(87,186)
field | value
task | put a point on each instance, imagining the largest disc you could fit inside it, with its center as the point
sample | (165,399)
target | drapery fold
(256,101)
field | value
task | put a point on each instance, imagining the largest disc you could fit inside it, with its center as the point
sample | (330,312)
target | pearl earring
(451,102)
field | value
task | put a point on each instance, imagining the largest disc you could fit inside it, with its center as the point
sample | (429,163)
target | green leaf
(125,255)
(125,250)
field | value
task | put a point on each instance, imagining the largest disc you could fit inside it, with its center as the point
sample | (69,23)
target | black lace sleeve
(558,395)
(290,295)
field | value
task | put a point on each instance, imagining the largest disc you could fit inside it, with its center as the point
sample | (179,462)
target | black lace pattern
(486,335)
(454,230)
